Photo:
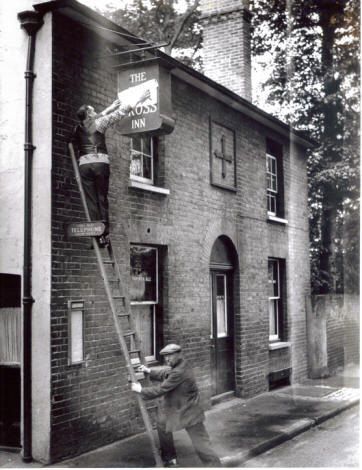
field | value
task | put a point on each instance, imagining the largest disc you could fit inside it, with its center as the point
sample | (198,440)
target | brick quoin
(91,403)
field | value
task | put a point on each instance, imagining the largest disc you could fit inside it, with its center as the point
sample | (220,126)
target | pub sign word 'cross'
(222,155)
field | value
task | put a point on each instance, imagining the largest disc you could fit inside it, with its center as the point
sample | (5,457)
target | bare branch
(182,22)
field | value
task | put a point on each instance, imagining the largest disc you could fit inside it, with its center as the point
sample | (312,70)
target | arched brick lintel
(216,229)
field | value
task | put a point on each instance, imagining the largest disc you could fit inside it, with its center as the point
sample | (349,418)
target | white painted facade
(13,58)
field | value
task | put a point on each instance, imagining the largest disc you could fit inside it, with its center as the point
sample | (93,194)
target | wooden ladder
(123,321)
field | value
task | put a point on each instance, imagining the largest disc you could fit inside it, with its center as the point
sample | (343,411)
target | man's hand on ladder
(136,387)
(143,368)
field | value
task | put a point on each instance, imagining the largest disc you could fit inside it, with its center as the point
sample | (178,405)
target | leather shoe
(171,463)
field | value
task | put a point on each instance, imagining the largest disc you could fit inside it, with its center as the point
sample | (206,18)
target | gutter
(30,21)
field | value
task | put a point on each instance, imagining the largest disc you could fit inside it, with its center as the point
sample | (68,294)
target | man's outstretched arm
(116,104)
(116,112)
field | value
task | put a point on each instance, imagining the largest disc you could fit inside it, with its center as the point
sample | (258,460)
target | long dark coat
(180,399)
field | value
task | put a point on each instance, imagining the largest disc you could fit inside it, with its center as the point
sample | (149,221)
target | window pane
(147,167)
(273,318)
(136,164)
(268,169)
(221,309)
(141,167)
(269,180)
(273,278)
(147,145)
(271,199)
(144,319)
(143,264)
(220,288)
(136,143)
(273,166)
(273,183)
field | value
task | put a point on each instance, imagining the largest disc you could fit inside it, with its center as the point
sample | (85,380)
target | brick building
(212,211)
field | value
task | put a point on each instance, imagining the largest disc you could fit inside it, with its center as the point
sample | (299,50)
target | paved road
(334,443)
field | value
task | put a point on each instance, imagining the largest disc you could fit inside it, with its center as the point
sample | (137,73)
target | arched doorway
(223,262)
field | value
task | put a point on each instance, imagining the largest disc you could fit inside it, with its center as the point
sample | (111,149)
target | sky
(101,4)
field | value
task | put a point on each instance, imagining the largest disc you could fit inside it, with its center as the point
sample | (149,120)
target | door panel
(222,338)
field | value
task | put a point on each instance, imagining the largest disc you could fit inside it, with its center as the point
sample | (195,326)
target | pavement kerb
(339,409)
(290,432)
(294,430)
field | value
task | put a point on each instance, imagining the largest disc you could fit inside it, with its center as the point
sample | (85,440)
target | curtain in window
(10,332)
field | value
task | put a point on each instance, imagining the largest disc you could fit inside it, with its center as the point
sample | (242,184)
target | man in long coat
(180,407)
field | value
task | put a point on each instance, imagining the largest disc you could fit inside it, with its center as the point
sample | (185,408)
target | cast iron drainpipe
(31,21)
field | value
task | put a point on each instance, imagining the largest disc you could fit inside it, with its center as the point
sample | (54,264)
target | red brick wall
(91,403)
(226,45)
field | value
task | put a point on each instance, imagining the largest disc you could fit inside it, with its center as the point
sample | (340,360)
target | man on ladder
(89,144)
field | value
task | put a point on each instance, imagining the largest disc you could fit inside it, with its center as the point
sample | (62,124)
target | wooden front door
(222,332)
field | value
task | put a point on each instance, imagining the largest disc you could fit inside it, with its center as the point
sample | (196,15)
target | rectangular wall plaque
(222,156)
(85,229)
(75,331)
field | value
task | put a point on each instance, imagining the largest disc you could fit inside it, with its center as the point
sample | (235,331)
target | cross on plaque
(222,155)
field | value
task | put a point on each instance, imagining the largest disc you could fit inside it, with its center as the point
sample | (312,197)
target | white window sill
(148,187)
(273,218)
(279,345)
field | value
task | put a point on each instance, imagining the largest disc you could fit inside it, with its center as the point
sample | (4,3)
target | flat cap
(170,349)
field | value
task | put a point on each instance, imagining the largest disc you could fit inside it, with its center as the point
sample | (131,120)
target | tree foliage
(312,51)
(164,21)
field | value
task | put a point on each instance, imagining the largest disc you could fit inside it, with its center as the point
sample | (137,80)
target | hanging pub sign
(155,114)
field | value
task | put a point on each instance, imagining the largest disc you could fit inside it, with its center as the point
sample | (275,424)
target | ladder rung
(108,261)
(118,297)
(123,315)
(134,351)
(129,333)
(151,407)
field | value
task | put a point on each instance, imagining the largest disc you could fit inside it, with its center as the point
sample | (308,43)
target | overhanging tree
(164,21)
(314,80)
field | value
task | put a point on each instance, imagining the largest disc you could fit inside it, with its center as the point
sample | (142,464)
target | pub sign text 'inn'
(155,114)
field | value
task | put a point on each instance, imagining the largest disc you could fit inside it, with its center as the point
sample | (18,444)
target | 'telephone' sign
(154,114)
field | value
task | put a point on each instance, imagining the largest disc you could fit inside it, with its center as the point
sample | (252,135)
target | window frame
(276,301)
(142,179)
(272,194)
(275,203)
(76,307)
(152,357)
(225,334)
(151,303)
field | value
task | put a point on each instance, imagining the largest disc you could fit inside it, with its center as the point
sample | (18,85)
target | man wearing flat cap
(180,407)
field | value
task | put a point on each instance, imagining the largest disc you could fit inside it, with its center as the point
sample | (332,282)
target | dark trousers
(95,180)
(200,440)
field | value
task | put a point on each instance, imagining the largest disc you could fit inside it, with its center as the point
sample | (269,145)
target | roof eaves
(53,5)
(238,102)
